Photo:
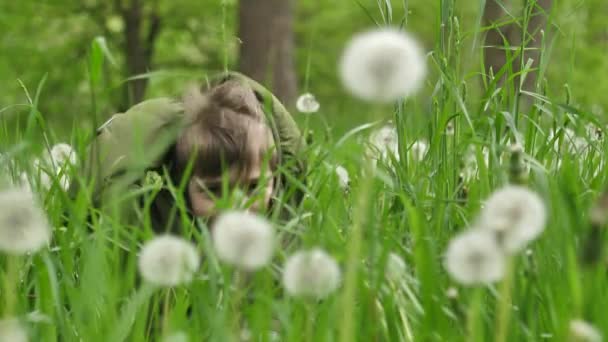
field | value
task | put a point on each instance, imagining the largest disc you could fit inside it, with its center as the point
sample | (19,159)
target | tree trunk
(494,47)
(534,39)
(138,48)
(266,51)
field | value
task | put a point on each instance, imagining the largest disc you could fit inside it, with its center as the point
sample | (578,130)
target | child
(232,131)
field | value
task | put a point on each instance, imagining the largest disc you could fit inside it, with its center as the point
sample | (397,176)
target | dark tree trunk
(266,52)
(533,39)
(494,47)
(494,50)
(139,47)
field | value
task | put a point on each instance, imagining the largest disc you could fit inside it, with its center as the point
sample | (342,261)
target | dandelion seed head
(24,227)
(383,65)
(62,154)
(581,331)
(41,175)
(343,178)
(307,103)
(419,150)
(470,169)
(570,142)
(311,273)
(168,261)
(473,257)
(11,330)
(243,239)
(516,214)
(385,141)
(395,268)
(451,292)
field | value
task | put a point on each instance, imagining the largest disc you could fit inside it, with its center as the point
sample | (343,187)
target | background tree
(267,45)
(506,32)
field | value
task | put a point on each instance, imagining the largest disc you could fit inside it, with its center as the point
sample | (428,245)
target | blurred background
(158,47)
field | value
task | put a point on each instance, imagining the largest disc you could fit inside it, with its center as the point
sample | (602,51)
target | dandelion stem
(504,304)
(236,303)
(310,321)
(474,332)
(10,284)
(353,256)
(165,324)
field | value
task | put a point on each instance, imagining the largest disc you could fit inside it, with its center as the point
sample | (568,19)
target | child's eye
(215,189)
(252,186)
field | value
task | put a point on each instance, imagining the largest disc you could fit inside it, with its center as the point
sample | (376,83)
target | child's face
(258,183)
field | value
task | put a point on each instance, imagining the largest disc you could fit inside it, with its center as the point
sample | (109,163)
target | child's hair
(220,121)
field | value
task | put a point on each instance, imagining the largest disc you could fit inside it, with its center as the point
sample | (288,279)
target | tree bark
(267,45)
(533,39)
(138,48)
(494,52)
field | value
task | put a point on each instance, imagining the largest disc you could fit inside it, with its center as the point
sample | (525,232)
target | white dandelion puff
(243,239)
(343,178)
(570,142)
(12,331)
(383,65)
(41,175)
(594,132)
(419,150)
(307,103)
(451,293)
(385,141)
(470,169)
(473,257)
(395,268)
(515,214)
(311,273)
(168,261)
(63,154)
(581,331)
(24,227)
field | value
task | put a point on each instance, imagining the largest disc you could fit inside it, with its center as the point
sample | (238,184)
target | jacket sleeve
(132,142)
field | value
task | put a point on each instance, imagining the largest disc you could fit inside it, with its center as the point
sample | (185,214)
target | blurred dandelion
(581,331)
(395,268)
(307,103)
(451,292)
(385,141)
(571,142)
(243,239)
(12,331)
(419,150)
(343,178)
(383,65)
(470,169)
(311,273)
(473,257)
(515,214)
(41,175)
(62,154)
(168,261)
(23,225)
(594,132)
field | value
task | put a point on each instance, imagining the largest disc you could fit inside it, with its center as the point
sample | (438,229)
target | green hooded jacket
(130,144)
